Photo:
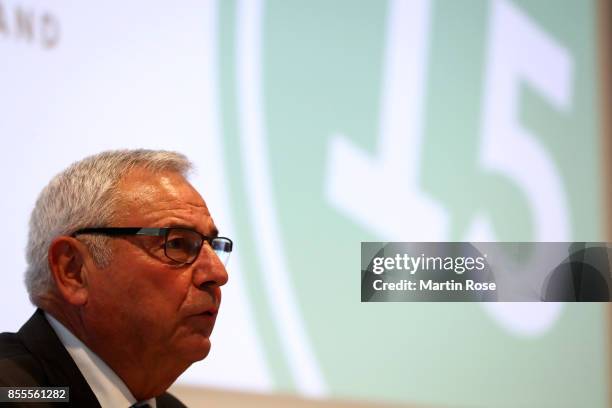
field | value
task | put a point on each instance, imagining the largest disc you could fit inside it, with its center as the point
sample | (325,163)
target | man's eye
(177,244)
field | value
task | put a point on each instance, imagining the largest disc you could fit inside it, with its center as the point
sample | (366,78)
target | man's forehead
(148,193)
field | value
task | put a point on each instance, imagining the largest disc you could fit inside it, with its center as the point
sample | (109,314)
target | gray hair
(85,195)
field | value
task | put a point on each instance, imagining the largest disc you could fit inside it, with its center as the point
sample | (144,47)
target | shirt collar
(108,388)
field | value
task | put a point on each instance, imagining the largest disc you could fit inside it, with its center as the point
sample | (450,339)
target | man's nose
(209,271)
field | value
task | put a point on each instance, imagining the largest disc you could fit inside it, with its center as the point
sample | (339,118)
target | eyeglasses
(181,245)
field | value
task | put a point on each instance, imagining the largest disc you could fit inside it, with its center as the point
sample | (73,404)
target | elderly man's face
(143,304)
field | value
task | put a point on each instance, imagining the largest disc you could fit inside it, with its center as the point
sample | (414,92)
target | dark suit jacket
(35,357)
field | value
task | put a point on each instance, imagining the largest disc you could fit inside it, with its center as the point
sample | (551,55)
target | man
(125,265)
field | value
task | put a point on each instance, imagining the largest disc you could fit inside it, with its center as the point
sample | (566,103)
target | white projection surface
(122,75)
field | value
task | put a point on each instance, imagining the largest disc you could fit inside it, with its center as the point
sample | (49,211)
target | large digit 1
(381,193)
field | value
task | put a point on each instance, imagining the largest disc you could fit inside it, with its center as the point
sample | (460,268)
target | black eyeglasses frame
(158,232)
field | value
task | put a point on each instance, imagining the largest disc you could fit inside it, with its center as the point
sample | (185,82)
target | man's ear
(67,263)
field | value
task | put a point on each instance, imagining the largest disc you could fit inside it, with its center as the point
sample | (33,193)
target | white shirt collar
(110,390)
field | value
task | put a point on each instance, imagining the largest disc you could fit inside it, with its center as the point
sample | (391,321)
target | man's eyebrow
(214,232)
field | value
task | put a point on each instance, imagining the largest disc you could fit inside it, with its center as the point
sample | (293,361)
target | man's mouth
(212,312)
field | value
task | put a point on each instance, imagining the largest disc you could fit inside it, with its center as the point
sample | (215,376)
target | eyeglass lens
(184,245)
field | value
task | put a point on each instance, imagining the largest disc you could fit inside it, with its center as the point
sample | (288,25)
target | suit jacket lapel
(40,338)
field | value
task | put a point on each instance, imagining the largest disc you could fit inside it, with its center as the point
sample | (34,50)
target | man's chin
(199,349)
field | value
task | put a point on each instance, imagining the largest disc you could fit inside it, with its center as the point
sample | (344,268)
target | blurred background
(316,125)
